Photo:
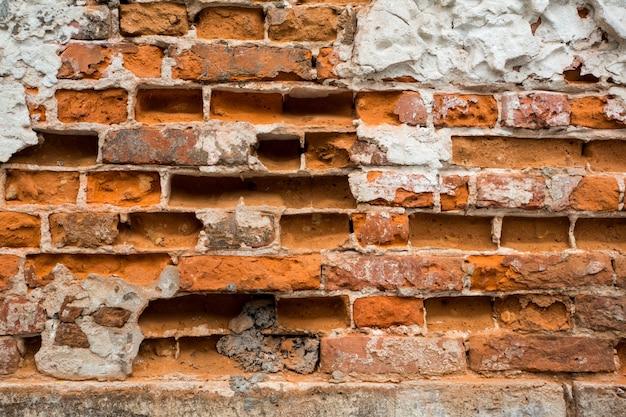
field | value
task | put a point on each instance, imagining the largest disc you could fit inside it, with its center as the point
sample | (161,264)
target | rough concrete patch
(15,131)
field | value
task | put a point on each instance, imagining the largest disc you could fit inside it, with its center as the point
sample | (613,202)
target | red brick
(540,353)
(620,270)
(600,313)
(156,18)
(381,228)
(153,146)
(92,106)
(250,273)
(535,110)
(123,188)
(595,194)
(84,61)
(510,191)
(9,355)
(591,112)
(430,273)
(538,271)
(388,311)
(316,24)
(454,192)
(235,63)
(111,316)
(41,187)
(20,316)
(9,267)
(456,110)
(19,230)
(403,355)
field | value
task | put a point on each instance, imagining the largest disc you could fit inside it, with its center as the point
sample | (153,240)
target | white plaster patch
(407,145)
(15,131)
(480,42)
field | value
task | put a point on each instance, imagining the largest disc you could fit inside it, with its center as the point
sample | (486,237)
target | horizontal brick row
(335,109)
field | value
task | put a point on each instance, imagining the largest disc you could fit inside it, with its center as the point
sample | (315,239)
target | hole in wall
(60,150)
(160,230)
(279,153)
(314,231)
(313,314)
(169,105)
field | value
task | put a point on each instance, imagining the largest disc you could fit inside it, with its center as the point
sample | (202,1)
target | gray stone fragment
(597,399)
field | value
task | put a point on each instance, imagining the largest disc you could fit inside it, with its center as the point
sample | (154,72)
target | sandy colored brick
(306,24)
(19,230)
(388,311)
(92,106)
(250,273)
(231,23)
(41,187)
(123,188)
(155,18)
(450,110)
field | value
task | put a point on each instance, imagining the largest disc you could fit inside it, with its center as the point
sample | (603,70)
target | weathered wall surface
(274,204)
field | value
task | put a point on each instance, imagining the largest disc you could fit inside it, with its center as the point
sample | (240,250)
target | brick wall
(220,191)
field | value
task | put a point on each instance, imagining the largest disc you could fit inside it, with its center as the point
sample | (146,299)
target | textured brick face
(373,192)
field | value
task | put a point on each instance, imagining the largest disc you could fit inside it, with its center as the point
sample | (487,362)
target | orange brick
(595,194)
(590,112)
(393,107)
(455,110)
(123,188)
(19,230)
(454,192)
(142,60)
(41,187)
(231,23)
(381,228)
(317,24)
(388,311)
(92,106)
(325,63)
(538,271)
(250,273)
(9,267)
(136,269)
(156,18)
(80,60)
